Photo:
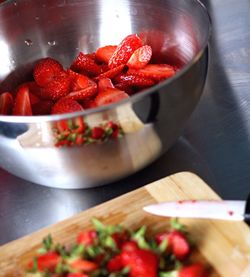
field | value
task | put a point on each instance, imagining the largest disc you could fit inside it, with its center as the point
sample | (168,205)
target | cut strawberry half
(125,50)
(79,81)
(45,70)
(104,83)
(6,103)
(110,95)
(140,57)
(83,94)
(136,81)
(112,72)
(66,106)
(22,104)
(85,64)
(103,54)
(157,72)
(194,270)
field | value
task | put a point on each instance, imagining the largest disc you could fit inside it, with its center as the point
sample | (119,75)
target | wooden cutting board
(224,245)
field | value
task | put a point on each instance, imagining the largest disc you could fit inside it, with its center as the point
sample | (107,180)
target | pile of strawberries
(109,75)
(114,251)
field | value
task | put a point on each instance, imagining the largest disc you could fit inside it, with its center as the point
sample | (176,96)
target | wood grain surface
(224,245)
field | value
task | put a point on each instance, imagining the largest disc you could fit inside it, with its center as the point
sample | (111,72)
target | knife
(209,209)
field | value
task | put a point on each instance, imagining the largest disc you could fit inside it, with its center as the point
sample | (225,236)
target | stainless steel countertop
(215,143)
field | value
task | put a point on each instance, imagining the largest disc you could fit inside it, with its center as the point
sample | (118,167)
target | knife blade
(210,209)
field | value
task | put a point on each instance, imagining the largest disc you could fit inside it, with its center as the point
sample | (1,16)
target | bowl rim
(132,99)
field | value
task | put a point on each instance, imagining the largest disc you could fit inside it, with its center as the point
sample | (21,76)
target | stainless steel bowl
(151,120)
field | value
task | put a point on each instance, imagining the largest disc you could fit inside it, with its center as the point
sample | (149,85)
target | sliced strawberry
(42,107)
(157,72)
(89,104)
(136,81)
(57,88)
(140,57)
(87,237)
(97,133)
(66,106)
(104,83)
(194,270)
(47,261)
(83,64)
(22,104)
(79,81)
(6,103)
(110,95)
(45,70)
(103,54)
(177,243)
(143,263)
(115,264)
(83,265)
(125,50)
(33,99)
(126,87)
(33,88)
(83,94)
(112,72)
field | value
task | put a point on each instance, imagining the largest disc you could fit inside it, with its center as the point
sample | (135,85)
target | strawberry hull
(151,120)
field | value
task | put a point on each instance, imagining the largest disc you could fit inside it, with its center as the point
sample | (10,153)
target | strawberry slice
(79,81)
(157,72)
(103,54)
(57,88)
(136,80)
(104,84)
(66,106)
(125,50)
(6,103)
(22,104)
(83,94)
(83,265)
(140,57)
(194,270)
(45,70)
(84,64)
(110,95)
(112,72)
(89,104)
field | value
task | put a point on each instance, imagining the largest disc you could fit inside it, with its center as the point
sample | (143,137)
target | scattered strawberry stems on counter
(111,74)
(115,251)
(73,132)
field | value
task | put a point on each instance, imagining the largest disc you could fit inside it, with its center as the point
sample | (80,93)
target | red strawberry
(112,72)
(125,87)
(42,107)
(104,83)
(110,95)
(157,72)
(194,270)
(79,81)
(87,237)
(103,54)
(83,94)
(6,103)
(136,81)
(33,88)
(140,57)
(47,261)
(143,263)
(57,88)
(125,50)
(79,124)
(22,104)
(119,237)
(97,133)
(115,264)
(83,64)
(45,70)
(83,265)
(66,106)
(89,104)
(177,243)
